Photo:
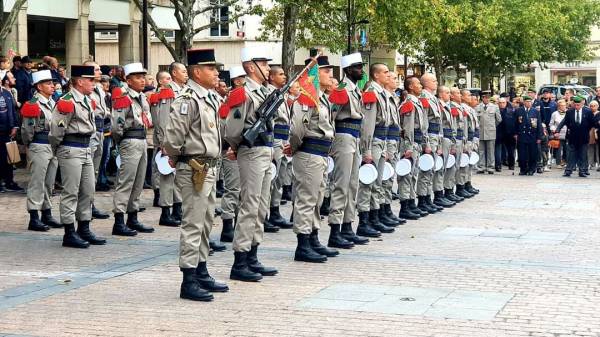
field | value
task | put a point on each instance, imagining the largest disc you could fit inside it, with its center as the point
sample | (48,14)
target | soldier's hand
(439,152)
(171,163)
(287,149)
(428,149)
(13,133)
(452,151)
(367,159)
(231,155)
(385,155)
(408,154)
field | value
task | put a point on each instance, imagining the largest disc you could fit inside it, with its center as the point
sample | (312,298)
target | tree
(8,20)
(186,14)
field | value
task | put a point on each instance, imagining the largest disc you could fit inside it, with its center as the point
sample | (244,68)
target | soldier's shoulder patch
(68,96)
(237,114)
(187,93)
(65,105)
(61,123)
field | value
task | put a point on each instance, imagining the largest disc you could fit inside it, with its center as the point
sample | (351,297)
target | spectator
(4,63)
(118,78)
(54,69)
(8,131)
(16,64)
(579,121)
(58,91)
(64,80)
(557,117)
(8,83)
(24,80)
(501,133)
(593,143)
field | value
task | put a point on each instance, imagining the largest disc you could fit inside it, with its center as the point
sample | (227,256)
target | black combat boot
(48,220)
(364,227)
(388,211)
(207,282)
(441,201)
(414,207)
(276,219)
(406,212)
(470,188)
(155,202)
(177,212)
(216,246)
(384,219)
(98,214)
(134,223)
(348,234)
(227,231)
(376,224)
(304,251)
(219,189)
(424,207)
(166,219)
(83,229)
(255,266)
(324,210)
(336,240)
(269,227)
(119,227)
(432,205)
(286,193)
(318,247)
(449,194)
(191,289)
(240,271)
(461,192)
(35,224)
(72,239)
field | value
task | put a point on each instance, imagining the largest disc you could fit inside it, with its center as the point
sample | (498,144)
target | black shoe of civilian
(540,170)
(102,188)
(13,187)
(567,174)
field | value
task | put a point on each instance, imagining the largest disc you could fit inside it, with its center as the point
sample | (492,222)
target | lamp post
(145,33)
(351,24)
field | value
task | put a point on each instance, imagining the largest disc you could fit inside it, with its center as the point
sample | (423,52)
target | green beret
(578,99)
(526,98)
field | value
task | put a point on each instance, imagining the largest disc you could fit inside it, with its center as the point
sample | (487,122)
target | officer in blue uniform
(528,135)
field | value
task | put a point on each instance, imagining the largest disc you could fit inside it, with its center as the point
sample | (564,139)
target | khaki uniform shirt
(193,125)
(414,123)
(434,117)
(78,121)
(40,124)
(311,122)
(376,115)
(129,117)
(489,118)
(354,107)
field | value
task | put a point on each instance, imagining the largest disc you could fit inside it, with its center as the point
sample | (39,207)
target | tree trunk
(437,65)
(288,49)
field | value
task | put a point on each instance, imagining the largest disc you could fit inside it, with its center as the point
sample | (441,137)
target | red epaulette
(166,93)
(306,100)
(465,113)
(224,111)
(407,107)
(369,97)
(153,99)
(454,111)
(339,96)
(30,110)
(236,97)
(425,102)
(116,92)
(65,106)
(121,102)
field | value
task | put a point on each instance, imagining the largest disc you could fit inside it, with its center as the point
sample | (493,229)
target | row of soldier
(200,133)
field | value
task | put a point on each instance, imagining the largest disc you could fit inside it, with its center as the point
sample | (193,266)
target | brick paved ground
(521,259)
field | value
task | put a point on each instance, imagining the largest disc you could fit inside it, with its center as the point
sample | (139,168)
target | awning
(164,17)
(110,11)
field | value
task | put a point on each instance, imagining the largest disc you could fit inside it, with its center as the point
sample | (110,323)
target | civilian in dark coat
(8,131)
(579,120)
(24,80)
(528,134)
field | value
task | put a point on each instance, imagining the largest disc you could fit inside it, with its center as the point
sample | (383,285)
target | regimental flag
(309,87)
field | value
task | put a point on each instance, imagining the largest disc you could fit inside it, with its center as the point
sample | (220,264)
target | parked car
(560,89)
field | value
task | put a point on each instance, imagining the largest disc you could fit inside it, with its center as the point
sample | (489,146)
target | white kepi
(134,68)
(403,167)
(426,162)
(236,71)
(162,162)
(439,163)
(464,160)
(41,76)
(367,174)
(388,171)
(474,158)
(254,54)
(351,60)
(451,161)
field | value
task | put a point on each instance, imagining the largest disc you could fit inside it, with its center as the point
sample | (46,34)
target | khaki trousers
(309,190)
(255,191)
(439,176)
(198,216)
(42,167)
(130,181)
(96,144)
(231,186)
(77,172)
(346,157)
(276,184)
(370,196)
(387,185)
(487,159)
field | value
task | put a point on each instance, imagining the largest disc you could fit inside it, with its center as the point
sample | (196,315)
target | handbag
(13,155)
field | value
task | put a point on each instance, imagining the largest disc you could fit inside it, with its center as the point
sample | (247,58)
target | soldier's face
(444,95)
(46,88)
(578,106)
(136,82)
(325,77)
(416,87)
(180,74)
(278,79)
(207,76)
(528,104)
(263,66)
(355,72)
(86,85)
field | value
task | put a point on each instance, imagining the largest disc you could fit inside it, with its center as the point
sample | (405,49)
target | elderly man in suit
(579,120)
(489,118)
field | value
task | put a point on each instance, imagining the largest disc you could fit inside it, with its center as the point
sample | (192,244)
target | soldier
(528,135)
(473,139)
(348,116)
(130,120)
(464,124)
(281,130)
(101,112)
(192,136)
(254,161)
(436,135)
(160,108)
(489,118)
(456,111)
(373,147)
(71,127)
(444,182)
(37,114)
(229,166)
(310,139)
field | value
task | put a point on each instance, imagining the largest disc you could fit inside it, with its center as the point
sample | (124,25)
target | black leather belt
(41,138)
(134,134)
(211,162)
(76,140)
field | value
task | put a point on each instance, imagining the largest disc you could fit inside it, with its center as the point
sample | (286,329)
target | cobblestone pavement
(520,259)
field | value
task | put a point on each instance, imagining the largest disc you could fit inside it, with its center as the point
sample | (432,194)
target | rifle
(268,108)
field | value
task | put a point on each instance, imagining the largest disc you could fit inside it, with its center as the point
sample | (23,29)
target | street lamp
(352,24)
(145,33)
